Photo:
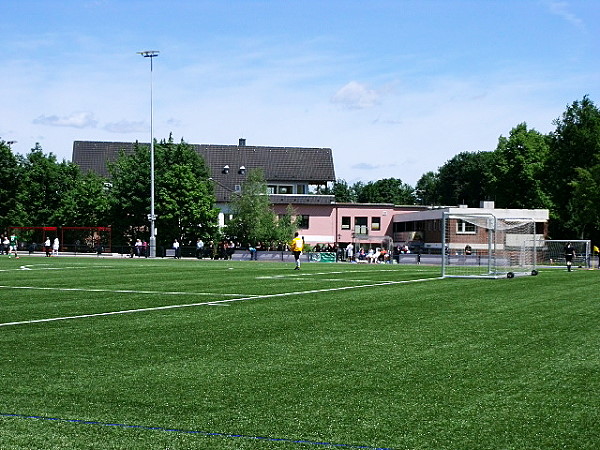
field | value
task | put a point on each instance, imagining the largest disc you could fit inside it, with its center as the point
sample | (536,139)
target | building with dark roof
(287,170)
(291,173)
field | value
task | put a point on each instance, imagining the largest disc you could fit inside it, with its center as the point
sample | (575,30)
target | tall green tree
(388,190)
(465,179)
(87,203)
(287,225)
(574,144)
(585,218)
(519,168)
(427,190)
(130,195)
(343,192)
(253,218)
(45,182)
(10,185)
(184,194)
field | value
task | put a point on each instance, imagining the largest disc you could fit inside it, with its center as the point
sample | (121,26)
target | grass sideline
(333,356)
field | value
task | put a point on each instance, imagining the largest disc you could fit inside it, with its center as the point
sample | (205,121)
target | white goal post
(487,246)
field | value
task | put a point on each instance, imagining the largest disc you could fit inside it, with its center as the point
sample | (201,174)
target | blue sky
(395,88)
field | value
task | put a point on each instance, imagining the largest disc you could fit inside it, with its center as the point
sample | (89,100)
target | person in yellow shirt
(297,245)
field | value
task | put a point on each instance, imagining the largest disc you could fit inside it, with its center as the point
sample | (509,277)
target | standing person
(569,255)
(597,251)
(13,245)
(297,247)
(252,250)
(5,245)
(55,247)
(349,252)
(47,247)
(138,248)
(177,249)
(199,248)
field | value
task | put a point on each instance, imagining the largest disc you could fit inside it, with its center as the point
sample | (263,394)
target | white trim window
(463,227)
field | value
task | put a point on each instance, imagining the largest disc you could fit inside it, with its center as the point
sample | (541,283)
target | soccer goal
(487,246)
(553,252)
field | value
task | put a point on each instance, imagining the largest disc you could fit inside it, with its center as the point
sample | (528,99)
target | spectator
(177,249)
(350,252)
(199,248)
(55,246)
(370,256)
(138,248)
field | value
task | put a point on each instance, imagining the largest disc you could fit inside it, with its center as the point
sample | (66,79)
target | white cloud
(367,166)
(355,95)
(126,126)
(562,9)
(81,119)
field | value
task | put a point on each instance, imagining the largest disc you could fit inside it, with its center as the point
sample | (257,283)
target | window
(285,190)
(345,223)
(463,227)
(360,225)
(301,189)
(375,223)
(271,189)
(303,221)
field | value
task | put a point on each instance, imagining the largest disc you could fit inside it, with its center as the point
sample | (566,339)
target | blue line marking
(203,433)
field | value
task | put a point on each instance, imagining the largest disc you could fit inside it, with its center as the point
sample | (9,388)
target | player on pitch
(297,245)
(569,255)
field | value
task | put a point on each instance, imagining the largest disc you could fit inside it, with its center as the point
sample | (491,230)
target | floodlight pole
(151,217)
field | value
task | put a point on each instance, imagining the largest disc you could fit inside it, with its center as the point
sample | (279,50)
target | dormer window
(242,170)
(226,169)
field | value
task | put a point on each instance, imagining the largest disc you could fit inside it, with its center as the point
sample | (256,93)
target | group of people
(372,256)
(140,248)
(9,245)
(51,247)
(226,248)
(223,250)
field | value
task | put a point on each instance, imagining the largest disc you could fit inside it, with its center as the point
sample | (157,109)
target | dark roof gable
(279,164)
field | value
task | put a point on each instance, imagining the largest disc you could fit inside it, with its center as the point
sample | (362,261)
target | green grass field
(252,355)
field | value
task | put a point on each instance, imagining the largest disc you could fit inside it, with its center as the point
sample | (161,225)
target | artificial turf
(333,356)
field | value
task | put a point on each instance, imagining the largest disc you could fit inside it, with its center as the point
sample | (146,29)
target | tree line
(559,171)
(39,191)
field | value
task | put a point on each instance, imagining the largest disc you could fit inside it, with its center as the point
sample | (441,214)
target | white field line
(214,302)
(333,272)
(115,291)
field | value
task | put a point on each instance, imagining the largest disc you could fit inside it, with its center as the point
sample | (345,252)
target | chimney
(242,142)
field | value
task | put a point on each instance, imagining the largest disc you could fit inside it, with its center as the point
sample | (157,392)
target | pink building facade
(338,224)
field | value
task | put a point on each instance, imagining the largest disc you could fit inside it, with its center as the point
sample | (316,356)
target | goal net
(553,252)
(487,246)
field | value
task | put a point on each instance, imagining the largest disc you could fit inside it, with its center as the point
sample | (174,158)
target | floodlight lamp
(149,53)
